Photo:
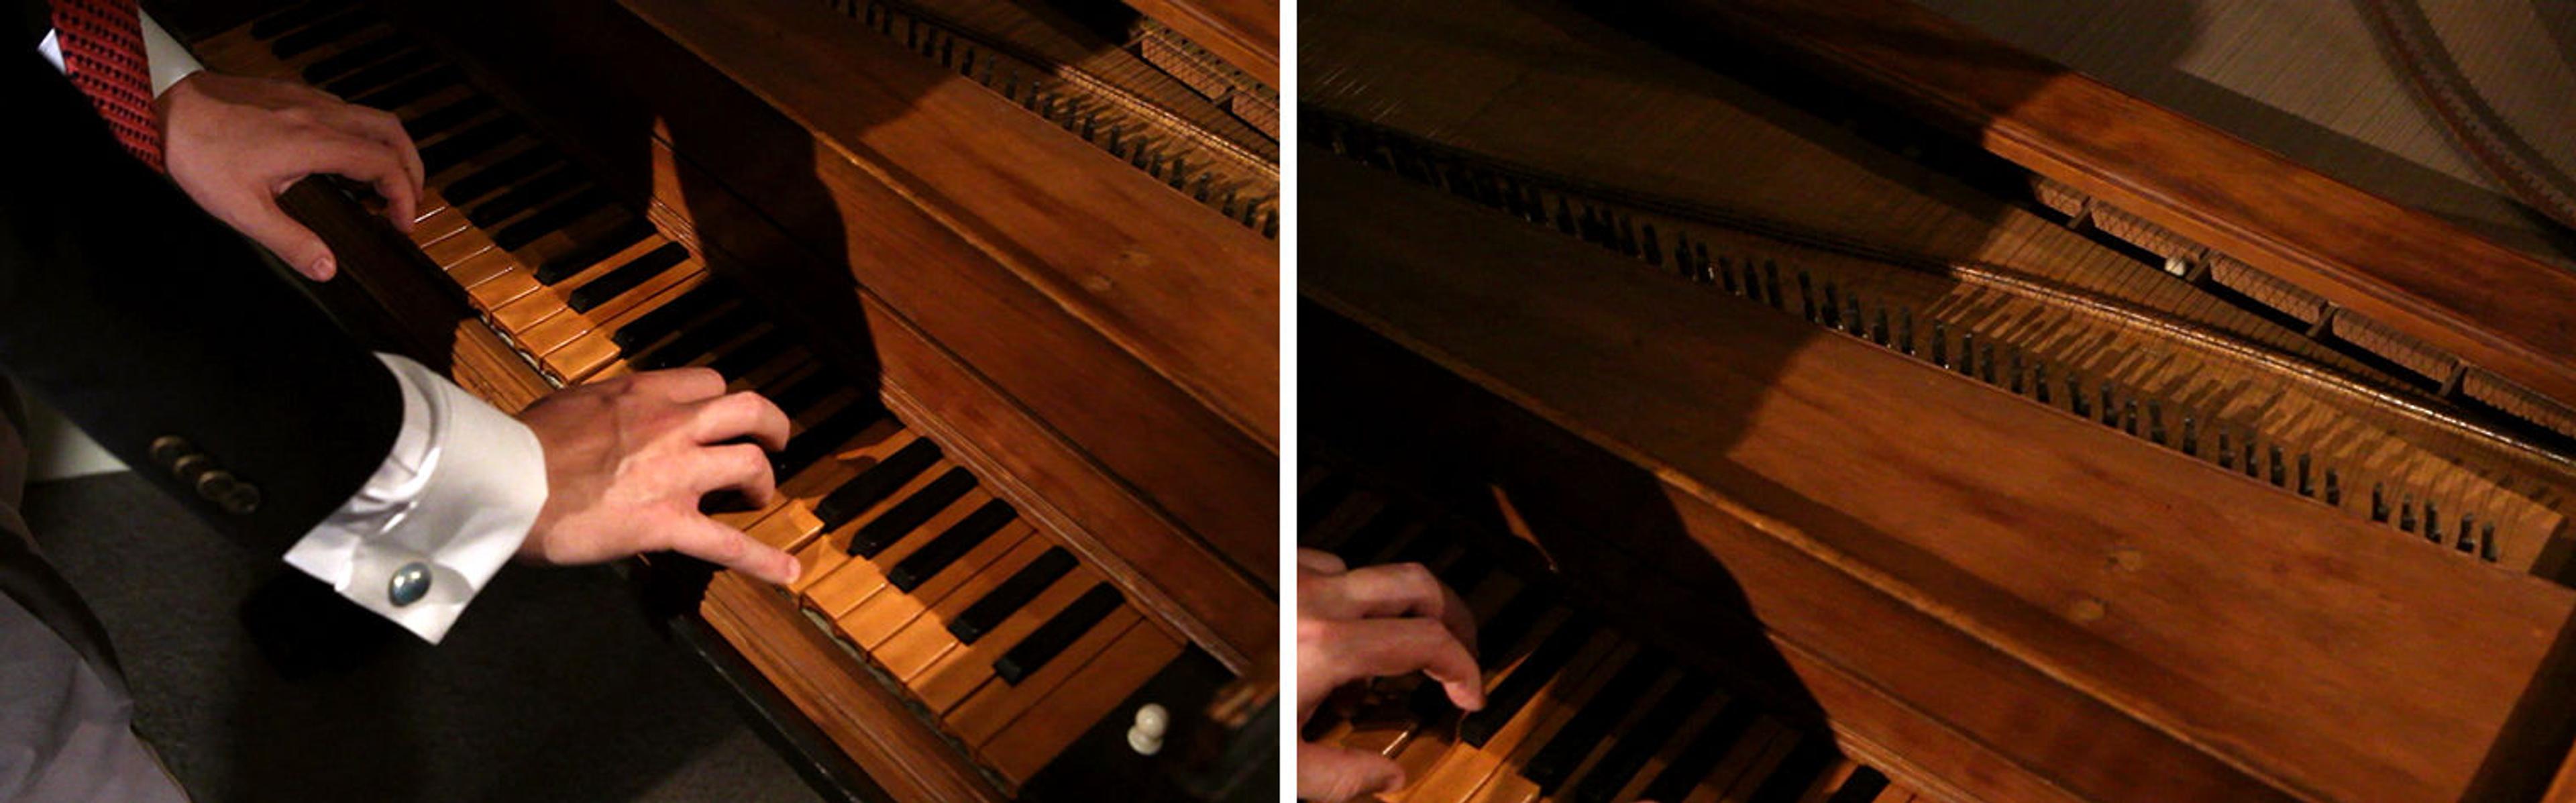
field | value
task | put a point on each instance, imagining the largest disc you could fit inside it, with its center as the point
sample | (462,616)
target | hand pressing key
(628,459)
(1378,621)
(233,144)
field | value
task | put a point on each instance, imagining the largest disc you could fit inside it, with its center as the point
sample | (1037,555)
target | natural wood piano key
(1466,767)
(1746,765)
(1844,777)
(1700,718)
(597,349)
(956,673)
(822,552)
(527,312)
(436,227)
(1553,713)
(881,615)
(484,266)
(918,644)
(562,328)
(581,357)
(860,578)
(510,282)
(794,522)
(998,704)
(1598,745)
(1419,754)
(451,251)
(1041,732)
(568,228)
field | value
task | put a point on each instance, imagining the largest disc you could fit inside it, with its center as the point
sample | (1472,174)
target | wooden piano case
(1038,257)
(1749,341)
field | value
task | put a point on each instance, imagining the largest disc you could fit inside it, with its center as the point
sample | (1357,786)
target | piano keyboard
(1575,710)
(1009,640)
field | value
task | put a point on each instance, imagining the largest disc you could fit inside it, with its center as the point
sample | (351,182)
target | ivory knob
(1146,737)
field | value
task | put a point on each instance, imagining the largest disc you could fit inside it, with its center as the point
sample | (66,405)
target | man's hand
(1373,622)
(628,459)
(235,143)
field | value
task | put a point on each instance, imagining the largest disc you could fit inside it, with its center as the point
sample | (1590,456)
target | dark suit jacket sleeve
(132,311)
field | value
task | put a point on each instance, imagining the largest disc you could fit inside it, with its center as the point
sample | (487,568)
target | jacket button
(191,467)
(167,449)
(228,492)
(242,500)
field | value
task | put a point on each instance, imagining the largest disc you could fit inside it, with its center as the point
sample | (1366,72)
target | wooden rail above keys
(2495,308)
(1245,32)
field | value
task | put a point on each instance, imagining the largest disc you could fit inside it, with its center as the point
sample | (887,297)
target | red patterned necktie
(102,44)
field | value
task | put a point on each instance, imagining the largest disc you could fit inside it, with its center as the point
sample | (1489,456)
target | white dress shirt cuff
(169,61)
(452,501)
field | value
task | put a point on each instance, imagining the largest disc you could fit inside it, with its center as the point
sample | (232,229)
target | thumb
(1332,774)
(259,218)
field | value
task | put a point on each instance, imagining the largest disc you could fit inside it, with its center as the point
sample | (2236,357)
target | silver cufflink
(409,584)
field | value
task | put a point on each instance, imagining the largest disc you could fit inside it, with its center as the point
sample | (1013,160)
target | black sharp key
(352,58)
(1797,773)
(484,136)
(567,264)
(876,483)
(438,121)
(387,72)
(943,551)
(1509,625)
(1012,595)
(533,227)
(698,340)
(1373,536)
(1556,760)
(1864,785)
(1320,502)
(649,327)
(1524,682)
(763,347)
(1032,653)
(813,444)
(321,33)
(270,26)
(1641,742)
(410,89)
(527,195)
(626,277)
(500,175)
(801,397)
(908,515)
(1707,747)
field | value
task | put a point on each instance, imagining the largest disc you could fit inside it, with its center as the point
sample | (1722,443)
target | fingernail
(794,570)
(322,267)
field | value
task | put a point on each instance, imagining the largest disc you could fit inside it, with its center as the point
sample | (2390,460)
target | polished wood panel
(1827,476)
(1192,295)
